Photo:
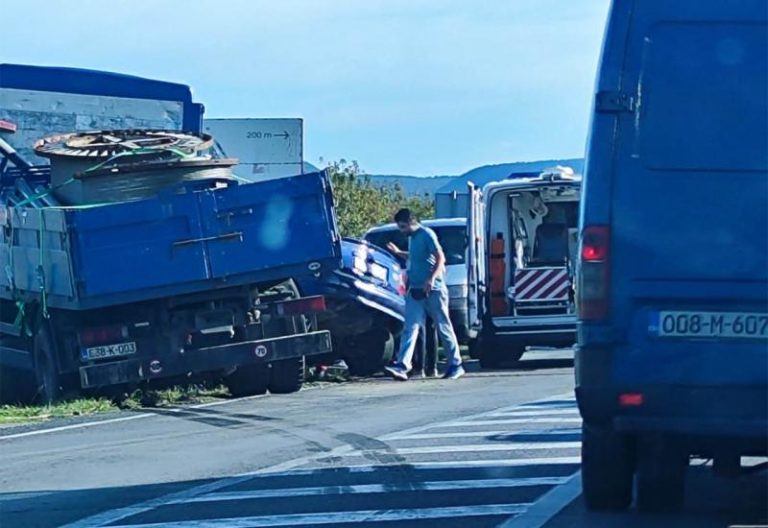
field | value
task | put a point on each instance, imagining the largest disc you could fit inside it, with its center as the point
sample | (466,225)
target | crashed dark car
(366,305)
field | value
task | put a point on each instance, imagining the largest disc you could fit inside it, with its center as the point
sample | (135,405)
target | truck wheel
(248,380)
(286,376)
(661,472)
(17,386)
(607,467)
(47,380)
(370,352)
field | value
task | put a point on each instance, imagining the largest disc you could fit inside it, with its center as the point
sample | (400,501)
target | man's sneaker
(454,372)
(398,372)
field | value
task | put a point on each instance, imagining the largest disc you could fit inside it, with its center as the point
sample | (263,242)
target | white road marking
(23,495)
(502,462)
(301,519)
(549,505)
(472,423)
(548,412)
(470,434)
(439,485)
(110,517)
(461,448)
(86,425)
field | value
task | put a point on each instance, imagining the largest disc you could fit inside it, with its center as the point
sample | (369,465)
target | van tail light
(593,279)
(303,306)
(103,335)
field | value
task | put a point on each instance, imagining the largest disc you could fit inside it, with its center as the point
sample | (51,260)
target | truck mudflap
(206,359)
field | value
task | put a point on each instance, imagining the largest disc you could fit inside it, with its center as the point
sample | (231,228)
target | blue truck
(195,280)
(672,289)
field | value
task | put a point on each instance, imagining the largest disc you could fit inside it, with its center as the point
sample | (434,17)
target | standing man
(427,293)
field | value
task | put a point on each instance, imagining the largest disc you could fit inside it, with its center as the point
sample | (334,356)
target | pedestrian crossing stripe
(549,425)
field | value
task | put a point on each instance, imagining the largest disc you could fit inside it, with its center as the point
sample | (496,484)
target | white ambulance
(523,244)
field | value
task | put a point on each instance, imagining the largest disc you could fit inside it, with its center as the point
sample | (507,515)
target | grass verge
(19,414)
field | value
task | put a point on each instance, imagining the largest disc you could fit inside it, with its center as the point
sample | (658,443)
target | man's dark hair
(405,216)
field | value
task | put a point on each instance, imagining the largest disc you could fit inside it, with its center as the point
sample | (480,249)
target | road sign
(266,148)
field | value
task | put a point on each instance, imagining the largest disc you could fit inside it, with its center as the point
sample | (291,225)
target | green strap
(43,194)
(41,268)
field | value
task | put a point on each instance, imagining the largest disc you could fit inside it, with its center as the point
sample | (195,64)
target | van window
(454,242)
(702,97)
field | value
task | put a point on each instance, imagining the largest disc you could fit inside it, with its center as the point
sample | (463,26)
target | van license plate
(108,351)
(723,325)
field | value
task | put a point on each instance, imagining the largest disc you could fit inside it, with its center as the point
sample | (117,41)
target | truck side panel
(174,244)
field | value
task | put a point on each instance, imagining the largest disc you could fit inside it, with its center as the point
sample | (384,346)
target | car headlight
(459,291)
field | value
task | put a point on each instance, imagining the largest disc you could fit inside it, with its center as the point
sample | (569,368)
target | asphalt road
(494,448)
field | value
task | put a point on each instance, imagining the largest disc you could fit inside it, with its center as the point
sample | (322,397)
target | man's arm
(397,251)
(437,252)
(439,264)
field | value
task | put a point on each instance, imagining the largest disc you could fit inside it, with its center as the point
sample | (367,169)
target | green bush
(360,204)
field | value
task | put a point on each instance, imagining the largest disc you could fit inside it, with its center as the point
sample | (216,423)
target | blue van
(672,290)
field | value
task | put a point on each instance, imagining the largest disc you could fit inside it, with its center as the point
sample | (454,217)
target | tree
(360,204)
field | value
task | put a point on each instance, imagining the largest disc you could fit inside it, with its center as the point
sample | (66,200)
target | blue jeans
(436,305)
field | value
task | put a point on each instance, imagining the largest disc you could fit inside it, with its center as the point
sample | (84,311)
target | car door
(476,267)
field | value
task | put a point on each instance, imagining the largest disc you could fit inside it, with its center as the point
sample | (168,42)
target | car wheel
(661,468)
(607,467)
(286,376)
(369,353)
(48,387)
(248,380)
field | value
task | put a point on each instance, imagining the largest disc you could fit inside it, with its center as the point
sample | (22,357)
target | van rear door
(476,250)
(689,222)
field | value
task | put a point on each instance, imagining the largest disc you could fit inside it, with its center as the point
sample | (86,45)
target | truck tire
(286,376)
(368,353)
(607,467)
(17,386)
(48,388)
(661,468)
(248,380)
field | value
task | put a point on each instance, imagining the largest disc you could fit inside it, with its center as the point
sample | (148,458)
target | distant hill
(422,185)
(490,173)
(413,185)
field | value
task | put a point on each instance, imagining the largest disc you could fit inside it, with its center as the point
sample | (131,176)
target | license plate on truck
(720,325)
(108,351)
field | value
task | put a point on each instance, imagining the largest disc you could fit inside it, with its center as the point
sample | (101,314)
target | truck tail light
(593,279)
(102,335)
(305,305)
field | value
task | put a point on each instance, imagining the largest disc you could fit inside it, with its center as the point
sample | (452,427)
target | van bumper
(554,331)
(704,415)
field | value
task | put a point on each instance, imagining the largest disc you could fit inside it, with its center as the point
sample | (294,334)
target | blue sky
(403,86)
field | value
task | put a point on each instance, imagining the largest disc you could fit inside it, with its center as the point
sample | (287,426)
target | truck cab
(523,245)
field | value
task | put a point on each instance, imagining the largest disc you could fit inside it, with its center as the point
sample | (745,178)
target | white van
(523,235)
